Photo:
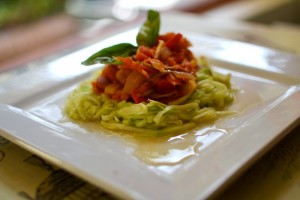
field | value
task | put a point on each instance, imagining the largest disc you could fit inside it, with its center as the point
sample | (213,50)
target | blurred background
(32,29)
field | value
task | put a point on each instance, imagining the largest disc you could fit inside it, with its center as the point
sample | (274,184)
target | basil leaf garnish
(106,55)
(147,36)
(149,32)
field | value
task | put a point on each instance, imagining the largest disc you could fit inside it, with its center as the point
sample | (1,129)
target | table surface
(25,176)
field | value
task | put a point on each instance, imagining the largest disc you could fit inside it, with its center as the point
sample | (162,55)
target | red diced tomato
(164,86)
(173,42)
(165,72)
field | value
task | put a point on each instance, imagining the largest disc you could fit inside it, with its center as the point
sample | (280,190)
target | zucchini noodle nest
(211,96)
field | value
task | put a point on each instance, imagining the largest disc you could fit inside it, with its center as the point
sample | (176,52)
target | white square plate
(190,166)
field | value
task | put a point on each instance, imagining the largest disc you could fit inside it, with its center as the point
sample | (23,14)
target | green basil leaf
(106,55)
(149,32)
